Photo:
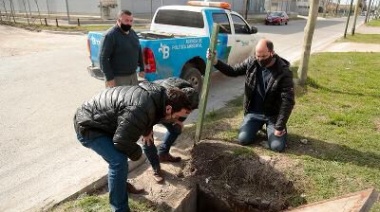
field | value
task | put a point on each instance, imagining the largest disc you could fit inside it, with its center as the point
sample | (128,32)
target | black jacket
(124,112)
(120,54)
(279,99)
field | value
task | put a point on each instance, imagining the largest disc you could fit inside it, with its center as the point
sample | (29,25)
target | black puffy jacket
(185,86)
(124,112)
(279,98)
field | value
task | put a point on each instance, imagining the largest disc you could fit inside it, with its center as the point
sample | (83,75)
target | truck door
(235,41)
(243,41)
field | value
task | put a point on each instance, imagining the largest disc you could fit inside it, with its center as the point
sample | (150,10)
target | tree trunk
(308,38)
(368,11)
(325,3)
(38,10)
(337,8)
(355,16)
(12,10)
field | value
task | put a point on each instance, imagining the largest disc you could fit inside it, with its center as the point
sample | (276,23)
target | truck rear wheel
(193,76)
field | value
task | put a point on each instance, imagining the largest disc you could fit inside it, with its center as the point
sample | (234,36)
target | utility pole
(348,19)
(246,2)
(355,16)
(68,13)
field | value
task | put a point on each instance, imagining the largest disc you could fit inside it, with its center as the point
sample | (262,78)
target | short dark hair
(177,99)
(270,45)
(193,96)
(124,12)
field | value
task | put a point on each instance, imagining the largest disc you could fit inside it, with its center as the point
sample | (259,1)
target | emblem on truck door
(165,51)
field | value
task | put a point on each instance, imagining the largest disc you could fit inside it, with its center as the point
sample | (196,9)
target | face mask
(182,118)
(265,62)
(125,27)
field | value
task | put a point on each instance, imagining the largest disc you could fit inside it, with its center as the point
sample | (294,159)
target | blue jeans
(117,170)
(252,123)
(173,131)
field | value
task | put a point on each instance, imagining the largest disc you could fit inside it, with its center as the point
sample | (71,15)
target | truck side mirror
(253,30)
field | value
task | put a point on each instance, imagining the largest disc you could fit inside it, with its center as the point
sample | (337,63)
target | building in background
(107,9)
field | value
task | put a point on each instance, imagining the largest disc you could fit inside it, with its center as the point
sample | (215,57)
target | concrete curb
(64,32)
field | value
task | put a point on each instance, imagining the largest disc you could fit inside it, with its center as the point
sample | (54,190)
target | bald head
(264,45)
(264,52)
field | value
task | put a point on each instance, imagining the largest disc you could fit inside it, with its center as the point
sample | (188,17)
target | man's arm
(287,100)
(106,49)
(232,71)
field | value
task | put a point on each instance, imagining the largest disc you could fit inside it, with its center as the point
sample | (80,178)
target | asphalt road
(43,79)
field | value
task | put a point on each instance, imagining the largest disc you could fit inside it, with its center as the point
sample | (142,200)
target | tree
(337,8)
(38,9)
(308,38)
(358,4)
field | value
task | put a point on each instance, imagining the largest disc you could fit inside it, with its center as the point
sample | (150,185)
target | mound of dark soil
(233,178)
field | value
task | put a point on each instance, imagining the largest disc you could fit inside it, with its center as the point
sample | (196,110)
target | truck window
(240,26)
(179,18)
(224,23)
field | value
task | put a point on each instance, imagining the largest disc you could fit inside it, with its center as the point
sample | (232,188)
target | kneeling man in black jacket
(112,122)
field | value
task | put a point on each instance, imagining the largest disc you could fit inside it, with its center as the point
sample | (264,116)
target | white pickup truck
(179,36)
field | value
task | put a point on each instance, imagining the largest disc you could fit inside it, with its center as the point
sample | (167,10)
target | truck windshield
(179,18)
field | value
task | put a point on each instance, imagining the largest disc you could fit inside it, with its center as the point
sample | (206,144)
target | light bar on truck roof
(224,5)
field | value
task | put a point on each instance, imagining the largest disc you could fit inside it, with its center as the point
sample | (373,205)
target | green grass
(362,38)
(374,23)
(99,203)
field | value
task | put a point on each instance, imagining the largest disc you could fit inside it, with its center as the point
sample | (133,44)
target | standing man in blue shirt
(120,53)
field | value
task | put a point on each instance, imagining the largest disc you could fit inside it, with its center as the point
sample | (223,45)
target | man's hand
(209,55)
(148,140)
(279,133)
(110,84)
(179,123)
(142,74)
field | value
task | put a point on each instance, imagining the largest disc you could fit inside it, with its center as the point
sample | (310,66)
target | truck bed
(150,35)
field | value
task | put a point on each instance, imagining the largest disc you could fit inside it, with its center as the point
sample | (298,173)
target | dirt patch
(233,178)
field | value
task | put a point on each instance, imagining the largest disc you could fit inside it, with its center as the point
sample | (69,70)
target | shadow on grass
(332,152)
(313,84)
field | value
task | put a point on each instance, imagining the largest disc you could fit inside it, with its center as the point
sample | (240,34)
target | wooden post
(206,82)
(45,22)
(56,22)
(78,22)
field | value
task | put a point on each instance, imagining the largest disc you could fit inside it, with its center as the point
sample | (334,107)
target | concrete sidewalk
(356,47)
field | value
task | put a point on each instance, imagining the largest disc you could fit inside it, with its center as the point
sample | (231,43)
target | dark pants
(173,131)
(252,123)
(117,169)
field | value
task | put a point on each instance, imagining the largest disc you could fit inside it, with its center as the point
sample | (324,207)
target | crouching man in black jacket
(113,121)
(268,94)
(174,129)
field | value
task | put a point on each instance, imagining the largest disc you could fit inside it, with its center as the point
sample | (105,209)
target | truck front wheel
(193,76)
